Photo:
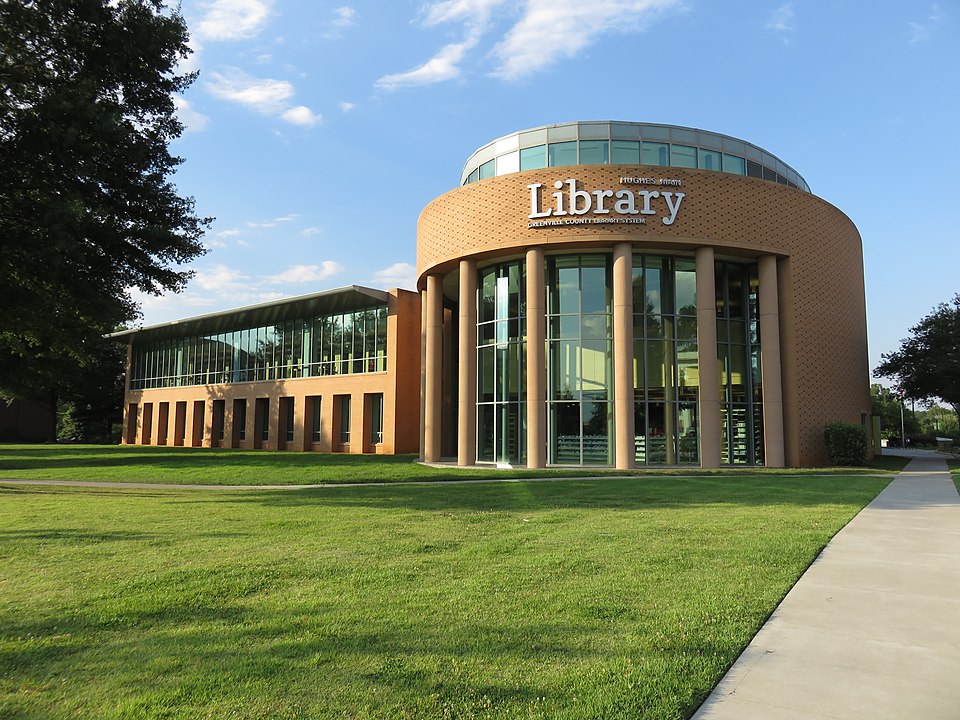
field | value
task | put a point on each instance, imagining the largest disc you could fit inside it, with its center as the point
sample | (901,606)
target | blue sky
(317,131)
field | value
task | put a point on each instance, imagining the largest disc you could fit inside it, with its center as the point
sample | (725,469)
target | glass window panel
(686,328)
(594,289)
(485,426)
(487,170)
(656,440)
(485,374)
(687,434)
(594,152)
(565,433)
(735,288)
(688,375)
(640,432)
(754,169)
(652,285)
(596,368)
(564,327)
(638,367)
(595,327)
(474,176)
(656,153)
(734,164)
(533,158)
(708,160)
(565,384)
(685,288)
(638,303)
(488,295)
(597,423)
(658,367)
(738,331)
(563,153)
(567,291)
(683,156)
(625,152)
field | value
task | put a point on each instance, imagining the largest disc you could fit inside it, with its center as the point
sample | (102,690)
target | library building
(611,294)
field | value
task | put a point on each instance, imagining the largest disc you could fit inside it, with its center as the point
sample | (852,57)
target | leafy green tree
(88,210)
(927,365)
(887,406)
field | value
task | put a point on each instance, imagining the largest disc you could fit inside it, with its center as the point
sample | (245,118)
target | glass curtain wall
(579,360)
(738,351)
(340,344)
(501,364)
(665,366)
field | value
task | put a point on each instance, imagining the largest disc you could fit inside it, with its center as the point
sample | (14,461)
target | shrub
(846,443)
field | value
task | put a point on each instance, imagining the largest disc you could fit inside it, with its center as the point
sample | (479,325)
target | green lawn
(182,466)
(613,598)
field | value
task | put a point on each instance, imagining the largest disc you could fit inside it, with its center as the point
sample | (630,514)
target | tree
(927,365)
(87,207)
(887,406)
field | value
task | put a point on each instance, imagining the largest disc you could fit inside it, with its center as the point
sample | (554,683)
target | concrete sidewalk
(872,629)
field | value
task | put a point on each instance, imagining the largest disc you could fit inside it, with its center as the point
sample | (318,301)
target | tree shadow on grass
(606,494)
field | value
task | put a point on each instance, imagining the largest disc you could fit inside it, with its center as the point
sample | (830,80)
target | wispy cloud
(263,95)
(920,32)
(233,232)
(782,21)
(445,65)
(346,106)
(344,16)
(234,19)
(402,275)
(546,32)
(551,30)
(299,274)
(311,231)
(192,120)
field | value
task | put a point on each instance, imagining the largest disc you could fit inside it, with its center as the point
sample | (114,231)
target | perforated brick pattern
(826,373)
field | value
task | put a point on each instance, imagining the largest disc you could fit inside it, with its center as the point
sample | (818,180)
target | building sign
(570,205)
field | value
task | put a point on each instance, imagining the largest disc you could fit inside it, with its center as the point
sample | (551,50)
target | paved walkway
(872,629)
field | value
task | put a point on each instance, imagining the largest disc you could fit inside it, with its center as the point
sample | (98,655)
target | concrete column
(433,389)
(423,373)
(623,355)
(536,361)
(773,454)
(467,392)
(709,392)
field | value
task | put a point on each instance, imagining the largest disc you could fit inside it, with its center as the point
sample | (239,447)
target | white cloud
(220,278)
(266,96)
(550,30)
(344,16)
(306,273)
(310,231)
(782,19)
(547,30)
(401,275)
(229,233)
(192,120)
(301,115)
(442,66)
(211,244)
(234,19)
(191,63)
(346,106)
(263,95)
